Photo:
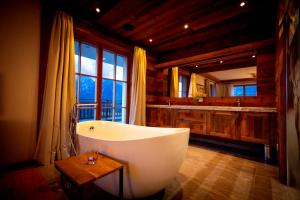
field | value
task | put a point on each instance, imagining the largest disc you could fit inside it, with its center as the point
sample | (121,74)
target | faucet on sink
(238,101)
(170,102)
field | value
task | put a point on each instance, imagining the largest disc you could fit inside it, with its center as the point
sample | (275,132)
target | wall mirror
(223,77)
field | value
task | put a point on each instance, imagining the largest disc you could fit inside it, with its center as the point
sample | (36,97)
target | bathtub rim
(175,132)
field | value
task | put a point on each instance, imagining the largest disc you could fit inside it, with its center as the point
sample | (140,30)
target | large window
(182,90)
(110,99)
(244,90)
(114,87)
(86,80)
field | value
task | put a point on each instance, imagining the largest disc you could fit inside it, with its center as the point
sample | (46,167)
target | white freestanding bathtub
(152,156)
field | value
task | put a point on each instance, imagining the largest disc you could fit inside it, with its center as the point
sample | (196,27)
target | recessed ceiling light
(186,26)
(150,40)
(253,56)
(221,61)
(243,3)
(196,66)
(97,10)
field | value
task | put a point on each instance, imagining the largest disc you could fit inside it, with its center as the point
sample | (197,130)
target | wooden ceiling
(213,24)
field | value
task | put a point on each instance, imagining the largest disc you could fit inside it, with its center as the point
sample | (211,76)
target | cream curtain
(174,83)
(59,92)
(221,90)
(193,86)
(229,90)
(138,89)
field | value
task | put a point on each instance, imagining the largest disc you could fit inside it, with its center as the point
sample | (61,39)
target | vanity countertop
(218,108)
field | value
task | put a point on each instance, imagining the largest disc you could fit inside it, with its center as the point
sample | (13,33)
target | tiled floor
(207,174)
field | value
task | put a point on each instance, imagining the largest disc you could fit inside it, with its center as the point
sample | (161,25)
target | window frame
(244,89)
(101,45)
(115,83)
(80,105)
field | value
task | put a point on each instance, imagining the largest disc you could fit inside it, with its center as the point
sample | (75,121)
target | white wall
(19,73)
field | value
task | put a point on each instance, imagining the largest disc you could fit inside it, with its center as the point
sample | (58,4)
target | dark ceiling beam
(232,39)
(164,17)
(239,80)
(247,55)
(197,17)
(191,37)
(126,11)
(217,54)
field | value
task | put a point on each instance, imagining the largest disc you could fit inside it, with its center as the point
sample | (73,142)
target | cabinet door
(179,123)
(151,116)
(198,127)
(192,115)
(159,117)
(193,119)
(222,124)
(255,127)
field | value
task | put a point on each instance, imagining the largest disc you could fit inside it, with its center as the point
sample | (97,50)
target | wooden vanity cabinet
(158,117)
(193,119)
(255,127)
(222,124)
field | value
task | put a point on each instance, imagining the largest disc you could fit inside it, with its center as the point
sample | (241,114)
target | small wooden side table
(77,170)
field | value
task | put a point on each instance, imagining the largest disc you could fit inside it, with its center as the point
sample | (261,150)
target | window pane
(107,93)
(87,113)
(77,50)
(213,90)
(108,65)
(120,94)
(250,90)
(121,72)
(180,87)
(184,89)
(107,113)
(238,90)
(87,89)
(120,115)
(76,87)
(88,60)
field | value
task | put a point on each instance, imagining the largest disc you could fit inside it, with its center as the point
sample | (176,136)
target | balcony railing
(88,111)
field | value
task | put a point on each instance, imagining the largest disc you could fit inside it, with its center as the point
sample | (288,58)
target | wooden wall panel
(156,80)
(266,72)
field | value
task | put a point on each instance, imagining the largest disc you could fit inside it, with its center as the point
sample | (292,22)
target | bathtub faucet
(92,128)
